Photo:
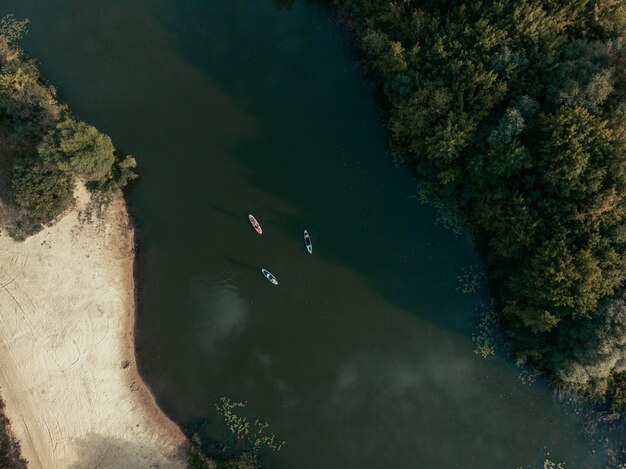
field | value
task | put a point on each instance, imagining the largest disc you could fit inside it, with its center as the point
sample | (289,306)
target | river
(362,356)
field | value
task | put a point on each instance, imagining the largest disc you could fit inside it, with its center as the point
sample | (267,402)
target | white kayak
(268,275)
(307,242)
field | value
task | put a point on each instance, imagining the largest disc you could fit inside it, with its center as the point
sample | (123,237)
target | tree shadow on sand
(103,452)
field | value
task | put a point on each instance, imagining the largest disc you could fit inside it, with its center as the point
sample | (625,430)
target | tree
(42,190)
(79,150)
(586,76)
(596,349)
(122,172)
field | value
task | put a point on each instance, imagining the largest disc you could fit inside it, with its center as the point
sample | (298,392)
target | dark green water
(362,356)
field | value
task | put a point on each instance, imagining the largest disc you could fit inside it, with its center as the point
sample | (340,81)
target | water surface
(362,356)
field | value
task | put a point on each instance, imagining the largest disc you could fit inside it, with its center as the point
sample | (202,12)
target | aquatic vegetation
(527,375)
(255,434)
(484,341)
(11,29)
(549,464)
(470,280)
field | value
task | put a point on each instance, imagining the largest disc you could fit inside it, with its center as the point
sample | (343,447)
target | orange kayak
(255,224)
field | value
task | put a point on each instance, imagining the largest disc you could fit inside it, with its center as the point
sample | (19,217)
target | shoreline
(150,401)
(69,377)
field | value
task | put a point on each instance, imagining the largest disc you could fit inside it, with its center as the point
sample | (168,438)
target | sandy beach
(68,372)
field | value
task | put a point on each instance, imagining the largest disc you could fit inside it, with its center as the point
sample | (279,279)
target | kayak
(307,242)
(255,224)
(269,276)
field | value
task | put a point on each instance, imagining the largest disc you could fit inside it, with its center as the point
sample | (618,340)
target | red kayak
(255,223)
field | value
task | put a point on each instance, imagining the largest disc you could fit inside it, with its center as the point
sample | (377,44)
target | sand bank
(68,372)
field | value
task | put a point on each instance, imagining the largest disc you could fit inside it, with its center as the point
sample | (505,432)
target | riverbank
(69,376)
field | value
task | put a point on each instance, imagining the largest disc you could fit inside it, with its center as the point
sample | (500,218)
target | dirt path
(68,373)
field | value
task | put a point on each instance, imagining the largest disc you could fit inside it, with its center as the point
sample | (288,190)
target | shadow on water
(322,149)
(240,263)
(231,213)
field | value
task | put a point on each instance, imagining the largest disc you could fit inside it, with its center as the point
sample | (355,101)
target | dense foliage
(512,112)
(78,149)
(42,189)
(55,148)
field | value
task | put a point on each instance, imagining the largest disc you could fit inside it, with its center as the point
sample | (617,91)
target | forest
(511,115)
